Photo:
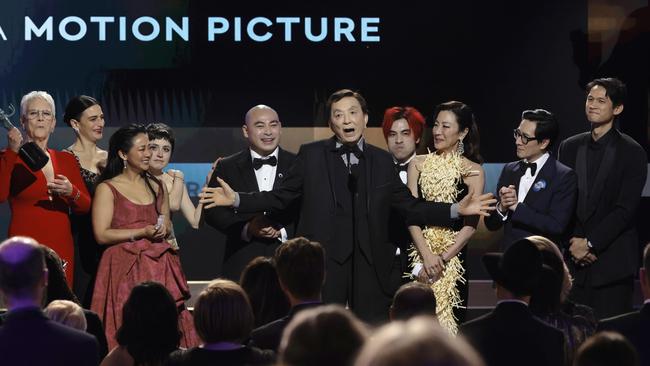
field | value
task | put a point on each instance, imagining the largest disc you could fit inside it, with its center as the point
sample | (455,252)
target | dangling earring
(125,164)
(460,149)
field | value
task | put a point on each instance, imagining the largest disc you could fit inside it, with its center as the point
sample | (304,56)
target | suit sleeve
(629,196)
(224,219)
(7,161)
(281,197)
(79,200)
(417,211)
(562,208)
(494,222)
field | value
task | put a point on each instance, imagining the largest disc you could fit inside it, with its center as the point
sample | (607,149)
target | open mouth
(348,130)
(268,141)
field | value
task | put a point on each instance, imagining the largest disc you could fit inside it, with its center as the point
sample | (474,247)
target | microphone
(32,155)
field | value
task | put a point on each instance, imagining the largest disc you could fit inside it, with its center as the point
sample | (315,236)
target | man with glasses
(537,193)
(612,170)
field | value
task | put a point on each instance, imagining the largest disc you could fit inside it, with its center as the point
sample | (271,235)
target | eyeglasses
(524,139)
(34,114)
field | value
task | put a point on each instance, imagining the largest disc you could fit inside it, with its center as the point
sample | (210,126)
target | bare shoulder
(118,356)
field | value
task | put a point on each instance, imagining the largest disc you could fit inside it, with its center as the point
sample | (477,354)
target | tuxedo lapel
(369,189)
(581,171)
(542,181)
(603,171)
(246,172)
(282,169)
(328,147)
(514,177)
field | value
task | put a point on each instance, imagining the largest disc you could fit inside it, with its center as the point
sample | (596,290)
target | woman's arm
(175,182)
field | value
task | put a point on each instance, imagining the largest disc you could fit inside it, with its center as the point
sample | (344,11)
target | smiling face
(161,152)
(90,124)
(599,107)
(347,120)
(401,140)
(446,133)
(38,120)
(262,130)
(139,155)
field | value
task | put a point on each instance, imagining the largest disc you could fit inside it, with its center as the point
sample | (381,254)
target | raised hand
(217,196)
(476,205)
(14,139)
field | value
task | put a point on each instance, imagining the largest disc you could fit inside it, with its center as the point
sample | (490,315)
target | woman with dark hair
(149,330)
(224,320)
(131,217)
(41,198)
(447,175)
(84,115)
(161,144)
(260,281)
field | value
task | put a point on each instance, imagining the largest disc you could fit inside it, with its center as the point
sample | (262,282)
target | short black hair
(161,131)
(412,299)
(615,89)
(344,93)
(300,264)
(546,124)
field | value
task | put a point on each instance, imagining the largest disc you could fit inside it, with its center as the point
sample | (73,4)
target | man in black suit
(510,334)
(260,167)
(347,189)
(537,194)
(300,264)
(27,336)
(635,326)
(611,169)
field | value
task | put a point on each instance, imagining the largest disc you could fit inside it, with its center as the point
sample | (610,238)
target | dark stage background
(501,57)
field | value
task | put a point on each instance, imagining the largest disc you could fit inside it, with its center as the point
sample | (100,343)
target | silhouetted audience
(27,336)
(323,336)
(510,334)
(223,318)
(420,341)
(412,299)
(635,326)
(149,330)
(58,289)
(260,281)
(606,349)
(300,265)
(547,297)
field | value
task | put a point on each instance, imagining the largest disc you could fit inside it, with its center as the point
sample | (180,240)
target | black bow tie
(524,165)
(350,149)
(401,167)
(257,162)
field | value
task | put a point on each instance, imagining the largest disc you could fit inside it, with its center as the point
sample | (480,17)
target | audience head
(37,110)
(67,313)
(552,257)
(127,147)
(260,281)
(605,100)
(222,313)
(326,335)
(536,134)
(453,122)
(23,274)
(149,329)
(300,265)
(420,341)
(644,273)
(161,145)
(85,116)
(402,127)
(606,349)
(411,299)
(347,113)
(262,128)
(57,286)
(517,270)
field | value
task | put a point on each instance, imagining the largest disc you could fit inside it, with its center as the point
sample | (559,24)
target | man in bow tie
(346,195)
(537,193)
(259,167)
(402,127)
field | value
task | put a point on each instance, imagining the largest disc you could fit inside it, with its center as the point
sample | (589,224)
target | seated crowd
(533,322)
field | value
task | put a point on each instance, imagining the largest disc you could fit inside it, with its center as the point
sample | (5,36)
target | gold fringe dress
(439,181)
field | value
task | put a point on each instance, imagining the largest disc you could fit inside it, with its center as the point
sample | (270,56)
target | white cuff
(283,235)
(416,269)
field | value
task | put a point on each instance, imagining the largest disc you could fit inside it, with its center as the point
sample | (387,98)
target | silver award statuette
(32,155)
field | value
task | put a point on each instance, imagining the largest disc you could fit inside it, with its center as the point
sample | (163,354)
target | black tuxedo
(606,215)
(238,171)
(548,207)
(511,335)
(635,326)
(368,261)
(28,337)
(269,335)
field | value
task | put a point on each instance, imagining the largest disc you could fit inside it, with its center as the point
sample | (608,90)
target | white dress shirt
(525,182)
